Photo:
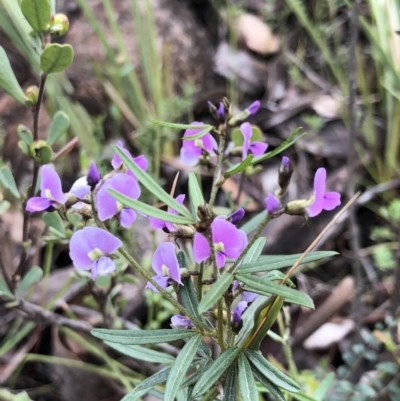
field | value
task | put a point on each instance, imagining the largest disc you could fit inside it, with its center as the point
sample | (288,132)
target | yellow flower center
(95,254)
(165,270)
(219,247)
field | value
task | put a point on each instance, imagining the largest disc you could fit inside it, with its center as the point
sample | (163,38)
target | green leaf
(56,58)
(188,297)
(25,134)
(272,388)
(247,385)
(215,292)
(196,194)
(294,137)
(253,223)
(4,206)
(230,384)
(37,13)
(8,81)
(54,220)
(215,371)
(140,337)
(179,126)
(32,277)
(7,180)
(204,365)
(146,385)
(303,397)
(238,168)
(274,262)
(151,185)
(142,353)
(59,126)
(263,286)
(4,290)
(255,251)
(270,372)
(149,210)
(180,367)
(322,390)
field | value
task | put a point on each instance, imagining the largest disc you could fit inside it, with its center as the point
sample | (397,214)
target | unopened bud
(236,216)
(184,232)
(285,174)
(41,151)
(59,25)
(93,177)
(220,113)
(271,204)
(254,107)
(299,207)
(32,94)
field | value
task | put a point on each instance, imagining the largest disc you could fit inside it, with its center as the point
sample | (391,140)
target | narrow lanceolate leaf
(56,58)
(247,385)
(263,286)
(180,367)
(59,126)
(179,126)
(8,182)
(8,82)
(216,292)
(231,383)
(32,277)
(196,194)
(253,223)
(274,262)
(294,137)
(37,13)
(204,365)
(270,372)
(149,210)
(140,337)
(188,297)
(142,353)
(146,385)
(215,371)
(255,251)
(271,387)
(239,167)
(151,185)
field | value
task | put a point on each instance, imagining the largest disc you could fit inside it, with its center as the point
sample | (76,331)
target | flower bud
(299,207)
(222,112)
(236,216)
(254,107)
(41,151)
(93,177)
(32,93)
(271,203)
(285,174)
(59,25)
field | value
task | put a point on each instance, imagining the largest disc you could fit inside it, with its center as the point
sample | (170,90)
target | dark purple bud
(93,177)
(221,110)
(285,174)
(254,107)
(271,203)
(236,216)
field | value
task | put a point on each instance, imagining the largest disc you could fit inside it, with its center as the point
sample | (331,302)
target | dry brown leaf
(257,35)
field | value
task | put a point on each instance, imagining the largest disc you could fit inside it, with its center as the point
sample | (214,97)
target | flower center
(165,270)
(48,195)
(198,143)
(95,254)
(120,206)
(219,247)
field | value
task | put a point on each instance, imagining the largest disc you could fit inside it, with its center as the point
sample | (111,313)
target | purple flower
(141,161)
(246,295)
(238,311)
(271,203)
(322,200)
(228,241)
(254,107)
(236,216)
(181,322)
(108,206)
(93,177)
(191,151)
(256,148)
(157,223)
(91,248)
(51,194)
(166,265)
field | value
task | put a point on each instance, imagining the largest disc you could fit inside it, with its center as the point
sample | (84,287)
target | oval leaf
(142,353)
(37,13)
(247,385)
(180,367)
(7,180)
(8,81)
(216,292)
(30,278)
(56,58)
(195,194)
(59,126)
(140,337)
(215,371)
(55,221)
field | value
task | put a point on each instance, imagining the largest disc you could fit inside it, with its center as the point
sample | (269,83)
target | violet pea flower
(108,206)
(166,265)
(157,223)
(181,322)
(228,241)
(238,311)
(322,200)
(191,151)
(91,249)
(141,161)
(51,194)
(256,148)
(272,203)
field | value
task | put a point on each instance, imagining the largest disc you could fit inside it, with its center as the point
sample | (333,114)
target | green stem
(200,282)
(218,168)
(48,257)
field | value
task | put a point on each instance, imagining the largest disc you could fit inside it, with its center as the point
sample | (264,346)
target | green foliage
(247,385)
(56,58)
(37,13)
(33,276)
(196,194)
(59,126)
(8,182)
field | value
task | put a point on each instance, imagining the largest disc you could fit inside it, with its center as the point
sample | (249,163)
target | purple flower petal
(221,259)
(247,132)
(254,107)
(105,265)
(156,223)
(319,190)
(142,162)
(248,296)
(127,217)
(285,162)
(221,110)
(103,240)
(80,188)
(233,239)
(258,148)
(160,224)
(331,200)
(181,322)
(162,281)
(50,185)
(165,257)
(116,162)
(79,249)
(37,204)
(201,248)
(238,311)
(272,203)
(236,216)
